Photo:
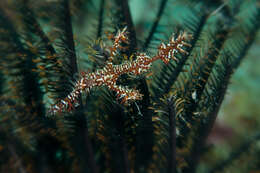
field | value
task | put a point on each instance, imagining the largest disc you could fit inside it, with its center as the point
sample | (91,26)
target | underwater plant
(82,91)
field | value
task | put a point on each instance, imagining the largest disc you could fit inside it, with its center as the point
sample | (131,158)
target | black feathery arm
(155,24)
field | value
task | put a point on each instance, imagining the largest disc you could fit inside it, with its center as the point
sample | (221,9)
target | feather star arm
(108,75)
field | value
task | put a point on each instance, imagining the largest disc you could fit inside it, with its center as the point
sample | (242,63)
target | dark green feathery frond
(101,18)
(166,121)
(23,78)
(144,130)
(155,24)
(69,52)
(169,74)
(26,119)
(65,26)
(213,96)
(123,18)
(64,43)
(48,64)
(116,117)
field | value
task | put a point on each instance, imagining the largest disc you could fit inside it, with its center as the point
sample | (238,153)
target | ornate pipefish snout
(109,74)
